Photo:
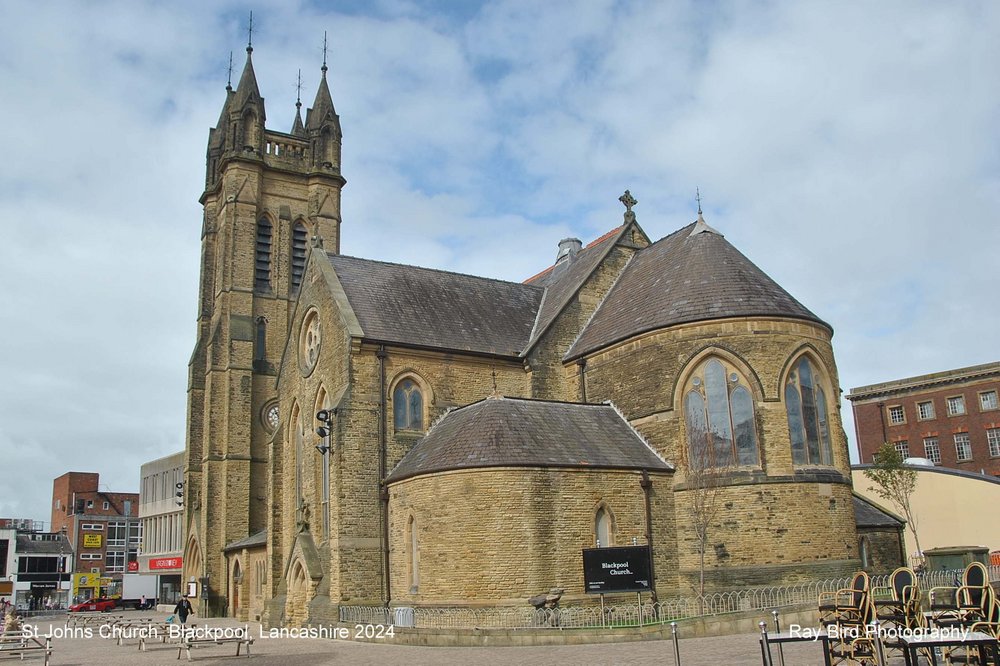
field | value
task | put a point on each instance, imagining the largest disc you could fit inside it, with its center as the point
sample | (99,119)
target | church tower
(267,196)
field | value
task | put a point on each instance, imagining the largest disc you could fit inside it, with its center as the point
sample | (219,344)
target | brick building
(102,527)
(952,418)
(474,435)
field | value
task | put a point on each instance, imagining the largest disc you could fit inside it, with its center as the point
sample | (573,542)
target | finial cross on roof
(229,80)
(628,201)
(250,34)
(298,90)
(324,51)
(697,197)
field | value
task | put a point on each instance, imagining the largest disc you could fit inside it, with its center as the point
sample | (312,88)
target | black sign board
(607,570)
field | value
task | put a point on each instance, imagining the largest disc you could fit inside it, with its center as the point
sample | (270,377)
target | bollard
(765,651)
(677,646)
(777,630)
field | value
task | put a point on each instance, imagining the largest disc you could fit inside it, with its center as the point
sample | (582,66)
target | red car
(102,605)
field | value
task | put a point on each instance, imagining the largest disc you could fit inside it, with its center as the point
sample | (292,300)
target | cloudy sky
(850,149)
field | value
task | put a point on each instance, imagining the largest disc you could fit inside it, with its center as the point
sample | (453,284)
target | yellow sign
(85,581)
(91,540)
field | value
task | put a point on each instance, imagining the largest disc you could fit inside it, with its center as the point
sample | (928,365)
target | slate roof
(683,278)
(28,546)
(436,309)
(867,514)
(516,432)
(256,539)
(563,279)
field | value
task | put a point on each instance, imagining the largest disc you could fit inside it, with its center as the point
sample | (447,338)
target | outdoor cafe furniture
(962,605)
(984,644)
(846,604)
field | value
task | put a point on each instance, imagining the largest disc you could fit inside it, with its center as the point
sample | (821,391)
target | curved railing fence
(622,614)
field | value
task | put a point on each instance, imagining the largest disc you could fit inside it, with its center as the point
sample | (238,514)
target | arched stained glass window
(719,416)
(808,423)
(408,406)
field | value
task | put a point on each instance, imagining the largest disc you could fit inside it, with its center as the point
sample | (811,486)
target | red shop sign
(165,563)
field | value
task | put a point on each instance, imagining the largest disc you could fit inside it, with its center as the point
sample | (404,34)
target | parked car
(99,604)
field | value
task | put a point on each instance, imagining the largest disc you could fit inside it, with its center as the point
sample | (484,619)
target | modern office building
(161,502)
(952,418)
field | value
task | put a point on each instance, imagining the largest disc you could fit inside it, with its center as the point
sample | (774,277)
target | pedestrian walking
(183,609)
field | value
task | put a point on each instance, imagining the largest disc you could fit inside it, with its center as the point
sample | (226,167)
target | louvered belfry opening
(262,265)
(298,253)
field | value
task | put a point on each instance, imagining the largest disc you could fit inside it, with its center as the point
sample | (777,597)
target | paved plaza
(728,650)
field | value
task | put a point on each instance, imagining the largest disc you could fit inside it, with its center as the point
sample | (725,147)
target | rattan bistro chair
(846,604)
(962,605)
(898,604)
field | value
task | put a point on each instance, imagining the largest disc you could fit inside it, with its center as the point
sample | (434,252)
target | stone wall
(885,548)
(497,536)
(778,522)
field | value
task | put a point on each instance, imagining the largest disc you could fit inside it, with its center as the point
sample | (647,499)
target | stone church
(363,433)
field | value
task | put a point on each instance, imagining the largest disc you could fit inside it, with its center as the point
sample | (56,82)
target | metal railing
(623,614)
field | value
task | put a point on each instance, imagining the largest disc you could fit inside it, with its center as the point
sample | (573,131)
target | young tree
(895,482)
(704,504)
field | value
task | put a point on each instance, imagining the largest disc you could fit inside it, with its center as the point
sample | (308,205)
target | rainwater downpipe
(381,355)
(582,364)
(647,487)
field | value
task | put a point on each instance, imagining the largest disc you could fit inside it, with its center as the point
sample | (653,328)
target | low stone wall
(713,625)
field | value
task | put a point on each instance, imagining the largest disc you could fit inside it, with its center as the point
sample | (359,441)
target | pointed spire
(298,129)
(701,226)
(322,110)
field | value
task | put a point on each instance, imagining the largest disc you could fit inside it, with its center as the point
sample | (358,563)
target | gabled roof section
(254,540)
(694,274)
(565,278)
(869,514)
(422,307)
(516,432)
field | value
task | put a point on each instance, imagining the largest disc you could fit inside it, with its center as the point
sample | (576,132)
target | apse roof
(516,432)
(694,274)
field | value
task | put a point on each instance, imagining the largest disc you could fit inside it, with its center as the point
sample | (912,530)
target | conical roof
(322,110)
(692,275)
(297,128)
(220,127)
(247,91)
(517,432)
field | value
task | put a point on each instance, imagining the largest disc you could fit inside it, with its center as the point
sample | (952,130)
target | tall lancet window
(298,253)
(603,530)
(808,422)
(295,425)
(719,415)
(262,265)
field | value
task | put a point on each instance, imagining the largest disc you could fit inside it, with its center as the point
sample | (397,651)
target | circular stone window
(309,341)
(271,417)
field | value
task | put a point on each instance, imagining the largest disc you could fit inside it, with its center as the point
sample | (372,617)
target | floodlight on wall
(325,431)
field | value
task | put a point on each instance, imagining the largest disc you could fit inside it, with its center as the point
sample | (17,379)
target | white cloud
(848,148)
